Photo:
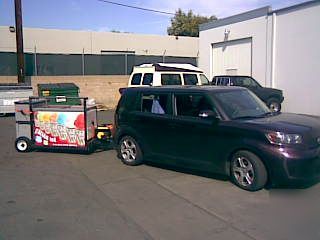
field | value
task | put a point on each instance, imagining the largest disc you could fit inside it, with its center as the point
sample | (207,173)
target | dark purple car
(219,129)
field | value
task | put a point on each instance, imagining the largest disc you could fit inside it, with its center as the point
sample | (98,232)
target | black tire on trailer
(248,171)
(130,151)
(23,144)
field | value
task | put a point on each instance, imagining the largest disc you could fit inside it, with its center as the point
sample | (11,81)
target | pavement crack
(212,214)
(121,213)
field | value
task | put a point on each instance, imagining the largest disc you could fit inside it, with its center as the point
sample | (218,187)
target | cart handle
(25,112)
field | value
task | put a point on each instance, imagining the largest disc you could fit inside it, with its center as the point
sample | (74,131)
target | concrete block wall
(8,79)
(104,89)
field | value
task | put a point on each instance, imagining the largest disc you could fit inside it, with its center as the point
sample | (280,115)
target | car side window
(204,80)
(155,103)
(147,79)
(248,82)
(190,79)
(192,104)
(214,81)
(238,81)
(136,79)
(170,79)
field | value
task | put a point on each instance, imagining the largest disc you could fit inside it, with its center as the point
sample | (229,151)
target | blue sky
(99,16)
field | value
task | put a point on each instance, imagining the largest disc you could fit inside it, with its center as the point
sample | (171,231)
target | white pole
(274,39)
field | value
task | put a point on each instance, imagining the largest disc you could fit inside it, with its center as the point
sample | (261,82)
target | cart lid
(53,86)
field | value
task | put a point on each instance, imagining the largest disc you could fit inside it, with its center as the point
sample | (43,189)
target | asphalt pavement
(51,195)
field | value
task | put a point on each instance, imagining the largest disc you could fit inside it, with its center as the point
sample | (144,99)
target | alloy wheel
(128,150)
(243,171)
(274,107)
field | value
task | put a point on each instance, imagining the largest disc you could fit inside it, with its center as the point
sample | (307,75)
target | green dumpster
(61,93)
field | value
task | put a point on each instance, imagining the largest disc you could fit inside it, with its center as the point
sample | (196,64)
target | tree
(187,24)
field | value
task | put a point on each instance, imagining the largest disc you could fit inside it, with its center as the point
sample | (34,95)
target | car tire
(130,151)
(274,105)
(23,144)
(248,171)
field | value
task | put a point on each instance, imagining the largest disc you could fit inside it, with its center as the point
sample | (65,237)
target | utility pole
(19,41)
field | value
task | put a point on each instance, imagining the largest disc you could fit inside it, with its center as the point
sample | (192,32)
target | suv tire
(274,105)
(248,171)
(129,151)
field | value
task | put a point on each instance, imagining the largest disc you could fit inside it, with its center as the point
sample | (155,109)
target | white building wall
(285,53)
(297,59)
(254,28)
(73,42)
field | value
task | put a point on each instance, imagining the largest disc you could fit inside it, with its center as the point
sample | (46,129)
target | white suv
(166,74)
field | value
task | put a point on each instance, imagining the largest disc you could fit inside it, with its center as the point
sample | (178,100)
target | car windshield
(241,104)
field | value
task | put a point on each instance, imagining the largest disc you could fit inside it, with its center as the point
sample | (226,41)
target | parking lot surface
(50,195)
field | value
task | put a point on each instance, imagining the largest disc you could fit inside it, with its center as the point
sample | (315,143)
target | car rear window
(223,81)
(136,79)
(190,79)
(147,79)
(171,79)
(155,103)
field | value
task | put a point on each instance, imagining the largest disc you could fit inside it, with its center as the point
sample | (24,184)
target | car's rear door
(152,123)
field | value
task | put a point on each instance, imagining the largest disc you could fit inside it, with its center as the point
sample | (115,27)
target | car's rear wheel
(248,171)
(129,151)
(274,105)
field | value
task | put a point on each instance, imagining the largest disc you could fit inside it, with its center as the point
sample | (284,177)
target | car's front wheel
(274,105)
(129,151)
(248,171)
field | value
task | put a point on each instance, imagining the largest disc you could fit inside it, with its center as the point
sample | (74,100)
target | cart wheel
(23,144)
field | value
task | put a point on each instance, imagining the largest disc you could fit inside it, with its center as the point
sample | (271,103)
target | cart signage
(63,129)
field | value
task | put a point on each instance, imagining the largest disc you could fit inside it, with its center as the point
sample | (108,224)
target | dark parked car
(270,96)
(219,129)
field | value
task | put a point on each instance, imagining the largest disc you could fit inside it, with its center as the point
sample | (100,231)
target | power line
(135,7)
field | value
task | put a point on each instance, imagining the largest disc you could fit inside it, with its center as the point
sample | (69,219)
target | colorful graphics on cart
(59,129)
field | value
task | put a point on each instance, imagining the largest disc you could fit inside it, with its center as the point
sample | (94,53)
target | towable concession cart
(41,124)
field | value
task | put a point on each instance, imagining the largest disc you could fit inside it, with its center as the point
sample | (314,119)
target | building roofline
(296,6)
(236,18)
(264,11)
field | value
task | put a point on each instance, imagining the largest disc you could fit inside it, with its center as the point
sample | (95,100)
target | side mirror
(209,115)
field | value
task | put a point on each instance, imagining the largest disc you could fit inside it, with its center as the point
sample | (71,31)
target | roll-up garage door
(232,57)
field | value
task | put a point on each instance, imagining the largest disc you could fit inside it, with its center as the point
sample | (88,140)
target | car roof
(171,67)
(232,76)
(180,88)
